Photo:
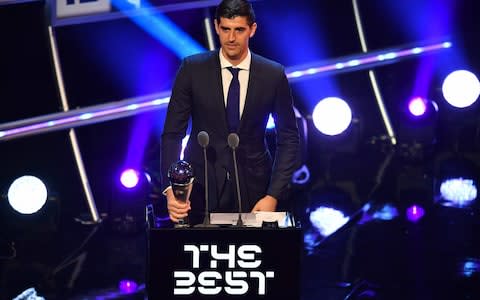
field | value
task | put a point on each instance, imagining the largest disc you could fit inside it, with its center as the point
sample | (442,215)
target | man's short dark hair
(235,8)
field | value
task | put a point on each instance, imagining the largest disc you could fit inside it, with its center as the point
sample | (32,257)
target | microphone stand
(203,140)
(239,221)
(233,141)
(206,218)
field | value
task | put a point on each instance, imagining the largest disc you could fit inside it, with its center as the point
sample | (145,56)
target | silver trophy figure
(181,179)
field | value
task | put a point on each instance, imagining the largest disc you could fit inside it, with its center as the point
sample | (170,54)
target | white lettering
(247,255)
(212,282)
(234,286)
(195,255)
(183,287)
(207,281)
(261,280)
(229,256)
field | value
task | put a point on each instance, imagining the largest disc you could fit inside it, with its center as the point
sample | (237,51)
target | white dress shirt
(243,76)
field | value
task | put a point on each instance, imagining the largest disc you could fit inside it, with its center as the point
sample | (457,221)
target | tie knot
(234,71)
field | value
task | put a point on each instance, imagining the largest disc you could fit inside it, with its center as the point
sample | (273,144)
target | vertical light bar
(207,23)
(373,80)
(71,132)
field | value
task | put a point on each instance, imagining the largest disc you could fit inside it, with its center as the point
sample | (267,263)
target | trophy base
(182,224)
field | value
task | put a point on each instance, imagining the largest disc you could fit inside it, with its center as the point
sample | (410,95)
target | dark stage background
(437,257)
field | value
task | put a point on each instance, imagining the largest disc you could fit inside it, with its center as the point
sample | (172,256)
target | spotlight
(419,121)
(415,213)
(469,267)
(458,192)
(27,194)
(130,178)
(387,212)
(332,116)
(422,108)
(329,209)
(456,182)
(331,212)
(127,286)
(127,208)
(29,294)
(417,106)
(461,88)
(327,220)
(468,276)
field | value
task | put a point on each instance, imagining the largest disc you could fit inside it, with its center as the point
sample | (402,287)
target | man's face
(234,35)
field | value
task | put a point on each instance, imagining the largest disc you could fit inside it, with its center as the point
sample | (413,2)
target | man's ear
(253,29)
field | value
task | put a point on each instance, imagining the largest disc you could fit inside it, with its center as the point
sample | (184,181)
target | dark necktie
(233,101)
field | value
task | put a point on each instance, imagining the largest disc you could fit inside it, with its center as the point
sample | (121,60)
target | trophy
(181,179)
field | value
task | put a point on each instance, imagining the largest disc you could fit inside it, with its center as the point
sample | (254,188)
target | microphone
(203,140)
(233,141)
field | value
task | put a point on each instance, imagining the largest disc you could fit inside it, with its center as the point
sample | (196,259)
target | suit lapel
(218,89)
(253,83)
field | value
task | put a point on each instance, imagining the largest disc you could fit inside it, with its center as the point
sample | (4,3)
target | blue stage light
(328,211)
(417,106)
(271,122)
(301,175)
(418,123)
(387,212)
(162,28)
(130,178)
(29,294)
(332,116)
(327,220)
(461,88)
(184,144)
(27,194)
(415,213)
(127,286)
(470,267)
(458,192)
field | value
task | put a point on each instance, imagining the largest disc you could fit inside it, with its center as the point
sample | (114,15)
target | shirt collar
(244,65)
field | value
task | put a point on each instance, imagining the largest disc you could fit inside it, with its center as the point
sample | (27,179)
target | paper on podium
(254,219)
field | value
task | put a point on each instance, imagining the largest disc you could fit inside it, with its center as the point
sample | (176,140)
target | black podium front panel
(223,263)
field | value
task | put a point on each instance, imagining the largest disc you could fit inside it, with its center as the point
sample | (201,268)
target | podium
(223,263)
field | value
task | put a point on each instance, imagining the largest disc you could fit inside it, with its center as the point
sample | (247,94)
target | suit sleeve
(287,143)
(176,121)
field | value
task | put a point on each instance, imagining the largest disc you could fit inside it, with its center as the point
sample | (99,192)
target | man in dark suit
(203,89)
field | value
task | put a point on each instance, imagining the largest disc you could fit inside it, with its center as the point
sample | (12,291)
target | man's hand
(176,209)
(267,203)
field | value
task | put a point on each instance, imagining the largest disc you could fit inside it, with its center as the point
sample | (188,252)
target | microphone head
(233,140)
(203,139)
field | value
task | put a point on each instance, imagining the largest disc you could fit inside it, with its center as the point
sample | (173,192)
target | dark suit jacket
(198,94)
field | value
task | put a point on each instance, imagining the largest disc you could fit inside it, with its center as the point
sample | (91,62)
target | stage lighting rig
(461,88)
(456,182)
(332,116)
(27,194)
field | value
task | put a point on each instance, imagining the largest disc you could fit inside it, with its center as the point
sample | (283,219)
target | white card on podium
(231,218)
(251,219)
